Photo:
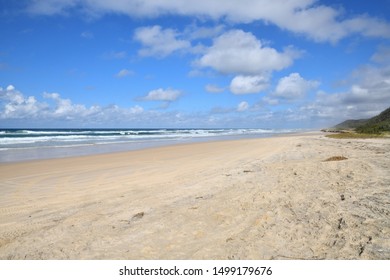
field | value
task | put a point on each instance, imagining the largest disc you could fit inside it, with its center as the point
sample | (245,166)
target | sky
(192,64)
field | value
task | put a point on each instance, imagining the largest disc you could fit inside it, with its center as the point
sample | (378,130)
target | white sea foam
(61,137)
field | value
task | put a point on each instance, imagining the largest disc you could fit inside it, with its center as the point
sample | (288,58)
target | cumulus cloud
(160,94)
(241,52)
(308,17)
(10,88)
(294,86)
(66,109)
(17,106)
(249,84)
(366,97)
(159,42)
(14,105)
(135,110)
(368,94)
(53,110)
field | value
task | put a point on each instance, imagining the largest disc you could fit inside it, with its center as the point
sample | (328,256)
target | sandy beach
(291,197)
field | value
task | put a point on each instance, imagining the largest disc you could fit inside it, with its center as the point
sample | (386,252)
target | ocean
(31,144)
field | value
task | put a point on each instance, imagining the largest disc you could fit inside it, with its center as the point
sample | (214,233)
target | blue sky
(204,63)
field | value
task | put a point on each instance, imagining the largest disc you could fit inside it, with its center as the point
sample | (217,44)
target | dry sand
(276,198)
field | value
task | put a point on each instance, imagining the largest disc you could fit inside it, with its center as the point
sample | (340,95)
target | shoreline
(264,198)
(53,152)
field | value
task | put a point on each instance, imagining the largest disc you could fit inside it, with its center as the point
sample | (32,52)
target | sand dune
(274,198)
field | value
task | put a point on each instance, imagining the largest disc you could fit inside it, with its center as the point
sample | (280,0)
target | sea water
(30,144)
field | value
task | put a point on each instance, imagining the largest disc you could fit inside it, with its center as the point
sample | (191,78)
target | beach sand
(271,198)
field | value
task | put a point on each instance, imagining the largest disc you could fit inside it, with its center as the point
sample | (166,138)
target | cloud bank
(15,106)
(315,21)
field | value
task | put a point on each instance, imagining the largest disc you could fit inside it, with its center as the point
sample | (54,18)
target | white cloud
(241,52)
(243,106)
(294,86)
(10,88)
(15,106)
(249,84)
(124,73)
(214,88)
(160,94)
(367,26)
(55,111)
(159,42)
(367,96)
(65,108)
(308,17)
(136,110)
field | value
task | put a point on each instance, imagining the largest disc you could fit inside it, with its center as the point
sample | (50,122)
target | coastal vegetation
(377,126)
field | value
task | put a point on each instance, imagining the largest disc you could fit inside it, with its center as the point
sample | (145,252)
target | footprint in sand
(336,158)
(138,216)
(135,218)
